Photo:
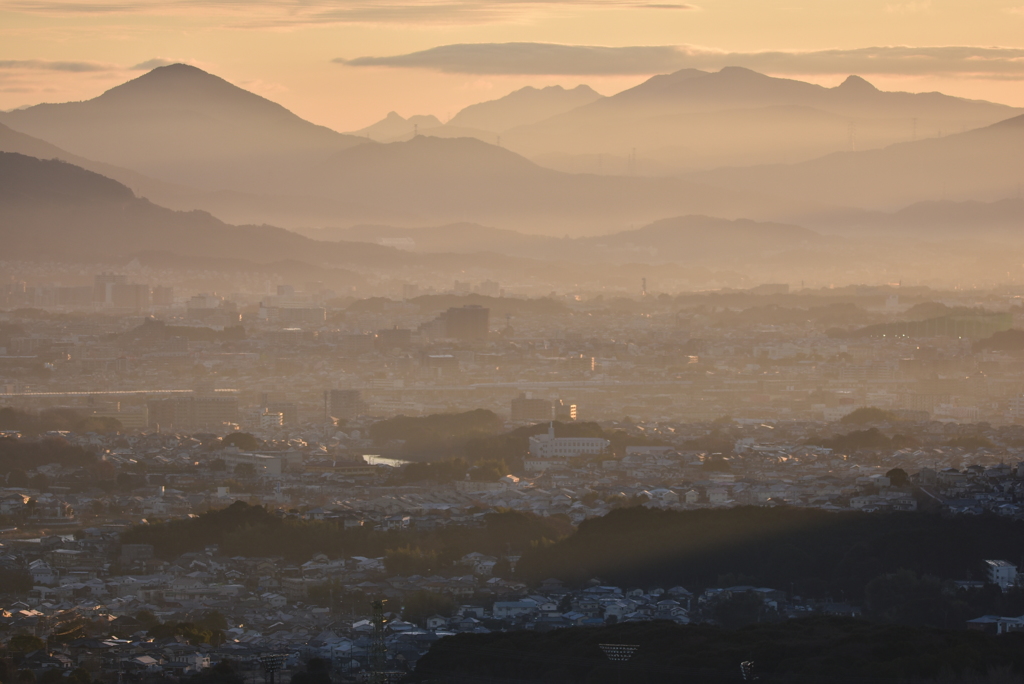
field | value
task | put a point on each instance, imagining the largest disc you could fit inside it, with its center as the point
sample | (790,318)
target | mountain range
(693,120)
(985,164)
(188,140)
(54,211)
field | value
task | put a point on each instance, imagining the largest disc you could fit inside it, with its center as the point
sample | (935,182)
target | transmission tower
(378,649)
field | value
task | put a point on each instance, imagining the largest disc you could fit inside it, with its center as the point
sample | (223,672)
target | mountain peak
(857,84)
(173,82)
(740,72)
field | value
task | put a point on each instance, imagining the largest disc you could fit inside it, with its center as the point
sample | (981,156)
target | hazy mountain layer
(693,119)
(685,239)
(53,211)
(431,180)
(986,164)
(181,124)
(524,107)
(59,209)
(395,126)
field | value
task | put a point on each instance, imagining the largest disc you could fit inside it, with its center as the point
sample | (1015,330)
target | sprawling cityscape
(554,342)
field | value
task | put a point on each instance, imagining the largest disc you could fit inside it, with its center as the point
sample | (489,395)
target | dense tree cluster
(54,420)
(812,552)
(806,650)
(20,455)
(436,433)
(871,438)
(241,529)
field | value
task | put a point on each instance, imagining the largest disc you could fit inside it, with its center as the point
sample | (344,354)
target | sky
(347,63)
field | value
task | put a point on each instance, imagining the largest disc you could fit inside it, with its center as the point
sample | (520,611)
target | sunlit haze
(70,50)
(511,341)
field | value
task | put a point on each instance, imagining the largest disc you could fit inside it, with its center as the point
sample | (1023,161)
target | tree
(407,561)
(737,610)
(125,482)
(147,619)
(868,414)
(898,477)
(318,671)
(214,620)
(25,643)
(245,470)
(40,482)
(242,440)
(420,605)
(79,676)
(490,470)
(217,465)
(17,478)
(223,672)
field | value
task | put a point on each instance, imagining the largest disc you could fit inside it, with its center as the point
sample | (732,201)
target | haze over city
(515,341)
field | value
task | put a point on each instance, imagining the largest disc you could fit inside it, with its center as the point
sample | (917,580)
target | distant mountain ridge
(985,164)
(485,120)
(524,107)
(682,239)
(734,117)
(178,123)
(54,211)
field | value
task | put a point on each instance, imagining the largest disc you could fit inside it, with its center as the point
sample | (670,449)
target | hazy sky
(312,55)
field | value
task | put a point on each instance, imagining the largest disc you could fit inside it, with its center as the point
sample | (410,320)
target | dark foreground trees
(833,650)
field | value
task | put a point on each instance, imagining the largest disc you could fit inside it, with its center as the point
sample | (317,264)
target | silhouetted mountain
(692,239)
(523,107)
(986,164)
(692,119)
(456,237)
(941,218)
(181,124)
(13,141)
(684,239)
(54,211)
(432,180)
(395,126)
(53,208)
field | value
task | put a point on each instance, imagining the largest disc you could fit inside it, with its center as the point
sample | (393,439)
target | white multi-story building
(1002,573)
(549,446)
(547,450)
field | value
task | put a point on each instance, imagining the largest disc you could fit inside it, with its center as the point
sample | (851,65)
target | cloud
(80,67)
(285,13)
(46,65)
(152,64)
(532,58)
(552,59)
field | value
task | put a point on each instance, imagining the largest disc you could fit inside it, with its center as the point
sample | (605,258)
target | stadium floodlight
(272,663)
(619,653)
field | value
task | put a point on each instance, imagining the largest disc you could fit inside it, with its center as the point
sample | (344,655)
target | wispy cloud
(79,67)
(47,65)
(532,58)
(544,58)
(263,13)
(152,64)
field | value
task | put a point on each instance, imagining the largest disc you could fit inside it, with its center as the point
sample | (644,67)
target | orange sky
(59,50)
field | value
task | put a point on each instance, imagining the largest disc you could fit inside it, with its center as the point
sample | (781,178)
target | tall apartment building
(526,409)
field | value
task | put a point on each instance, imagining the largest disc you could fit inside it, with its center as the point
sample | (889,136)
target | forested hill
(813,552)
(808,651)
(244,530)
